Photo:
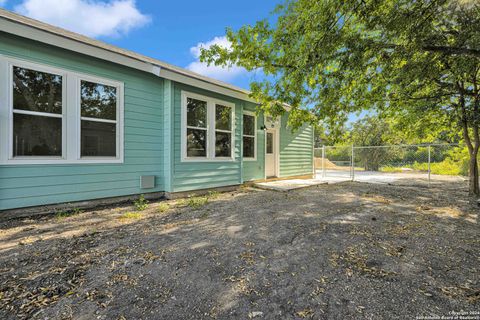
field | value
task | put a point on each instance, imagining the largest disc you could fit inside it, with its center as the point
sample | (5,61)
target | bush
(141,203)
(446,167)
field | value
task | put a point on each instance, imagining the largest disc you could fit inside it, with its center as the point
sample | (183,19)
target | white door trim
(276,151)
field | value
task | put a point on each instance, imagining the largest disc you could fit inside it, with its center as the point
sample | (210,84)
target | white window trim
(211,105)
(250,113)
(118,121)
(70,116)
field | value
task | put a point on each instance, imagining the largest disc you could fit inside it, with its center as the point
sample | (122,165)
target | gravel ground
(343,251)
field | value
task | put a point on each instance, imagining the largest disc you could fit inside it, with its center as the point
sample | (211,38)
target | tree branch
(452,50)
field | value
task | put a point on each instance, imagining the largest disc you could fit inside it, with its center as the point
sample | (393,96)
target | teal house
(81,120)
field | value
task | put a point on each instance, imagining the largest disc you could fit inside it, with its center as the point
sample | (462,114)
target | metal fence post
(323,161)
(429,161)
(353,163)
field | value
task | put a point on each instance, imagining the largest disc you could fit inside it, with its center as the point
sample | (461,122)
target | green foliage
(131,216)
(197,202)
(141,203)
(449,162)
(213,194)
(414,62)
(163,207)
(62,214)
(65,214)
(390,169)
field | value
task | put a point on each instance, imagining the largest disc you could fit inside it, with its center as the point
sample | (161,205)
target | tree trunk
(474,186)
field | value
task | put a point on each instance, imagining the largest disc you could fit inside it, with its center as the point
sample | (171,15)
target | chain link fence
(400,164)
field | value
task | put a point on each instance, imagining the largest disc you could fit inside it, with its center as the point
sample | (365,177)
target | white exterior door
(271,154)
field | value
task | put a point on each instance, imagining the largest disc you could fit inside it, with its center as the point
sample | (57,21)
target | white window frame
(119,115)
(211,128)
(70,115)
(252,114)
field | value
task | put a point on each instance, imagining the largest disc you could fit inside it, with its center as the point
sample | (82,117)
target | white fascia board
(39,35)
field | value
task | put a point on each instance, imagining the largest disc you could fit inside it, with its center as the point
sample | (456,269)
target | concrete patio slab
(287,185)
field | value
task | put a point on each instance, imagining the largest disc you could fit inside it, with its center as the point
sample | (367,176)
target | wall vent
(147,182)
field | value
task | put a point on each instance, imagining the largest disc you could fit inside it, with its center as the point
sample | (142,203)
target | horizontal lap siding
(30,185)
(202,175)
(255,170)
(296,150)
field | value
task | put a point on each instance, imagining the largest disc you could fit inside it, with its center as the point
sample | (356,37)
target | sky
(171,31)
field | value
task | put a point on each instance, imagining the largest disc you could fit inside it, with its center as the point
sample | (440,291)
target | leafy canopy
(402,58)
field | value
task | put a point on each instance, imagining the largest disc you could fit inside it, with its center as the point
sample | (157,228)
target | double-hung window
(223,131)
(98,108)
(249,136)
(50,115)
(197,131)
(37,113)
(207,128)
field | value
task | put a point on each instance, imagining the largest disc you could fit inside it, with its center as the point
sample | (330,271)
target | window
(223,131)
(98,107)
(37,113)
(249,136)
(269,143)
(196,128)
(207,128)
(49,115)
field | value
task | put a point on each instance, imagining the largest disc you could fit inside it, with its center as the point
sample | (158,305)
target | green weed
(131,216)
(141,203)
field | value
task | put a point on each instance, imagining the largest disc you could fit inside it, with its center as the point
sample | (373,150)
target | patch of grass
(163,207)
(131,216)
(391,169)
(68,213)
(62,214)
(213,194)
(195,202)
(141,203)
(447,167)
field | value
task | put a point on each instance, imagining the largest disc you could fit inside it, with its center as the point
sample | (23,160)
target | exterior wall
(296,150)
(152,141)
(194,175)
(255,170)
(30,185)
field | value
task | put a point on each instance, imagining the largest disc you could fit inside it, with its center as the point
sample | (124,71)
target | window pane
(223,144)
(223,117)
(196,143)
(37,91)
(98,139)
(269,142)
(248,125)
(36,136)
(248,147)
(98,101)
(196,113)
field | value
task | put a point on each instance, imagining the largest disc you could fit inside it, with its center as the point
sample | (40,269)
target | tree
(419,60)
(372,131)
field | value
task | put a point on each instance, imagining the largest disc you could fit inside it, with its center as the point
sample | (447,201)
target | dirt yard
(343,251)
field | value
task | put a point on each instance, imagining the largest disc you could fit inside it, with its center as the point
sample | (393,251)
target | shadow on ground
(344,251)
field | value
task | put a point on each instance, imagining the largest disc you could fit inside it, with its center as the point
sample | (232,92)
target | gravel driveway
(343,251)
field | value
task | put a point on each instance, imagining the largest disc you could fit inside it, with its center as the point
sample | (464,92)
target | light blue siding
(296,150)
(29,185)
(201,175)
(152,141)
(255,170)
